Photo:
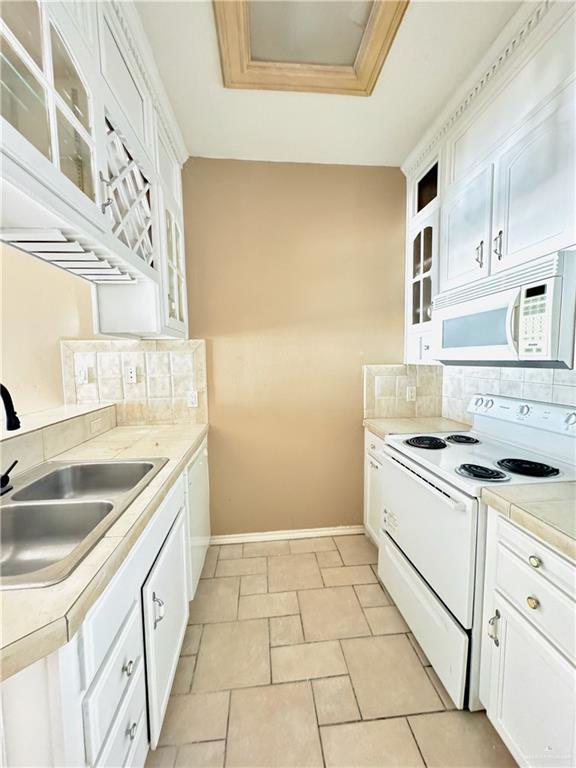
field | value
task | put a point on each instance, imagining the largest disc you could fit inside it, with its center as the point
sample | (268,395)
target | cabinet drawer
(127,726)
(539,601)
(538,556)
(112,681)
(441,637)
(373,444)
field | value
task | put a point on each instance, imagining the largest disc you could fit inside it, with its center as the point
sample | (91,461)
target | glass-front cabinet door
(422,263)
(174,273)
(45,96)
(421,277)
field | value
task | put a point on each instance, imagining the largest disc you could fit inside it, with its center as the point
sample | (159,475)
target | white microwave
(525,317)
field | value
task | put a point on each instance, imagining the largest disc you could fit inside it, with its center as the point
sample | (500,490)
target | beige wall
(40,305)
(295,280)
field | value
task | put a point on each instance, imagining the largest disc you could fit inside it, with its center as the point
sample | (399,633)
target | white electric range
(432,540)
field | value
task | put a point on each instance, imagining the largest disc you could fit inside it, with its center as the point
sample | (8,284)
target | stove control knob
(489,403)
(524,410)
(478,401)
(571,419)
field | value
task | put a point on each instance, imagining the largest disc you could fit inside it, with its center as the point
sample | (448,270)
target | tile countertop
(37,621)
(409,425)
(546,510)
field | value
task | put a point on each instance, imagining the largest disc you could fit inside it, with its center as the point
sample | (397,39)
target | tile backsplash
(151,382)
(544,384)
(386,388)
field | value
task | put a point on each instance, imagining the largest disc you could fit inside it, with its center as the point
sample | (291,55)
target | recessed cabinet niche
(427,188)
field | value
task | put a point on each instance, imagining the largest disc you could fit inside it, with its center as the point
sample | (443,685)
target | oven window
(484,329)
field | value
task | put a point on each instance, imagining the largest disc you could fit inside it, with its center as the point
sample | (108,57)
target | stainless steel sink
(58,512)
(34,536)
(86,480)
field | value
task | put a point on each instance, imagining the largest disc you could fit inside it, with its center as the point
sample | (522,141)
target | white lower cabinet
(532,694)
(529,680)
(372,487)
(198,514)
(100,700)
(165,604)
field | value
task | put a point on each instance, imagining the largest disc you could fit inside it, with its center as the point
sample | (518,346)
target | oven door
(435,527)
(485,328)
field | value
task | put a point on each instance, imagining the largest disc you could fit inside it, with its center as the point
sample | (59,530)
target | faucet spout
(12,420)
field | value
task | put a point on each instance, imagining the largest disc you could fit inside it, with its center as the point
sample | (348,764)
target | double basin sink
(56,513)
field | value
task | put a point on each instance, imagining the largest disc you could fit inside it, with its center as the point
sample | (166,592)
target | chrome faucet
(12,420)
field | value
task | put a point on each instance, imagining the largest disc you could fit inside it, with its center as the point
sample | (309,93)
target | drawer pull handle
(132,731)
(493,627)
(158,616)
(128,668)
(534,561)
(372,447)
(533,602)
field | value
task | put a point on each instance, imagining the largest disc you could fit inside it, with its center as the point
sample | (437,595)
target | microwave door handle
(512,323)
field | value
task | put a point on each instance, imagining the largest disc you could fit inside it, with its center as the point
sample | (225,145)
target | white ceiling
(436,47)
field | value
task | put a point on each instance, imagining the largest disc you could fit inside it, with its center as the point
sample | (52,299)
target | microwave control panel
(534,331)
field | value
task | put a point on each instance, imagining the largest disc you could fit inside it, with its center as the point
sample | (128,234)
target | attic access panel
(306,45)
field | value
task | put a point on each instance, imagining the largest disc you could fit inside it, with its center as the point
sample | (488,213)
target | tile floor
(296,656)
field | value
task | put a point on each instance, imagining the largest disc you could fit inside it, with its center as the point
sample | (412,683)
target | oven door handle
(445,498)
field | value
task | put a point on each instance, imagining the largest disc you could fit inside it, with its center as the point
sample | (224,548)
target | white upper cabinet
(49,106)
(466,230)
(507,144)
(535,201)
(88,166)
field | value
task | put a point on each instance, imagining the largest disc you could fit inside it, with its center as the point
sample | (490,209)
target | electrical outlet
(82,375)
(410,394)
(130,374)
(192,398)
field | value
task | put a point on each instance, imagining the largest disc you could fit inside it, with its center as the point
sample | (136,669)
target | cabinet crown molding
(422,152)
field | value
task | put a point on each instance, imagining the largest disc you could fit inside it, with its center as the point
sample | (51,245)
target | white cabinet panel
(535,198)
(121,82)
(465,230)
(198,514)
(372,496)
(532,694)
(165,602)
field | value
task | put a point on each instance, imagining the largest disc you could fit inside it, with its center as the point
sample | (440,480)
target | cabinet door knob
(128,668)
(533,602)
(535,561)
(372,447)
(132,731)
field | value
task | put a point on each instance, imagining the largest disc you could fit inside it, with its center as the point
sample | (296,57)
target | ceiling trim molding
(239,70)
(469,97)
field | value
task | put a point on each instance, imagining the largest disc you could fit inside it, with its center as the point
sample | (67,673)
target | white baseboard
(302,533)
